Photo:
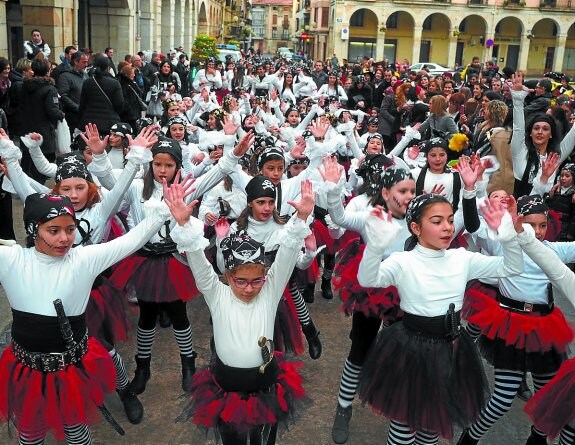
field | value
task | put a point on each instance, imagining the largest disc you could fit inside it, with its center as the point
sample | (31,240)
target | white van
(236,55)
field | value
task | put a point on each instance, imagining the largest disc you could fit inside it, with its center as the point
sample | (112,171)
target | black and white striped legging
(400,434)
(75,435)
(507,384)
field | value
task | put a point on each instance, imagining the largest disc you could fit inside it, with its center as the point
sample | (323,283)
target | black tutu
(427,382)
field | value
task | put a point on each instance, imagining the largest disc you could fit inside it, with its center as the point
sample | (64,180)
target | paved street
(163,403)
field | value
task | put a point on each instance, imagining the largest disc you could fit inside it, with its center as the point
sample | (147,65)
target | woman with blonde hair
(439,123)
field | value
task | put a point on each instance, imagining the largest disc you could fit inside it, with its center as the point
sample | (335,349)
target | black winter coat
(69,86)
(131,110)
(40,110)
(101,105)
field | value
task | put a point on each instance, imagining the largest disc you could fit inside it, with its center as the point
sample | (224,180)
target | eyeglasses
(255,284)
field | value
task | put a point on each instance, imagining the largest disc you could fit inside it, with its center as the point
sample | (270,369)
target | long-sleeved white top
(428,280)
(33,280)
(236,197)
(91,221)
(560,276)
(238,325)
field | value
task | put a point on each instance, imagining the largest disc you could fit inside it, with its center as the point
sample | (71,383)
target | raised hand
(493,213)
(93,141)
(413,152)
(229,125)
(319,128)
(437,189)
(222,228)
(305,205)
(297,151)
(512,209)
(549,166)
(468,175)
(174,198)
(330,171)
(147,138)
(379,212)
(245,143)
(517,80)
(3,134)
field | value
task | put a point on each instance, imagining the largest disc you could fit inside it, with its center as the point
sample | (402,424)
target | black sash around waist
(522,306)
(432,327)
(159,249)
(247,380)
(41,333)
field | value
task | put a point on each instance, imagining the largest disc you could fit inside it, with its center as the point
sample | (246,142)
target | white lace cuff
(31,143)
(139,155)
(8,150)
(505,232)
(332,188)
(527,236)
(294,232)
(381,234)
(189,237)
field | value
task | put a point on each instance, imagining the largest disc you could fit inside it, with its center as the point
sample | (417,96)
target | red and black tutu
(553,406)
(242,410)
(156,278)
(38,402)
(475,287)
(522,341)
(374,302)
(422,378)
(106,312)
(287,331)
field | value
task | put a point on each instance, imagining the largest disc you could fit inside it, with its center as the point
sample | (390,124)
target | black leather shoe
(188,370)
(466,439)
(309,293)
(314,343)
(340,429)
(132,406)
(536,439)
(326,291)
(141,375)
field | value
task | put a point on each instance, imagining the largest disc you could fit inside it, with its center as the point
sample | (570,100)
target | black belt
(51,361)
(159,249)
(523,306)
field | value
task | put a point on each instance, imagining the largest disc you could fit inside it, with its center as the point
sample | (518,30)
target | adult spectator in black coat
(149,71)
(101,100)
(23,70)
(388,123)
(131,111)
(40,111)
(69,86)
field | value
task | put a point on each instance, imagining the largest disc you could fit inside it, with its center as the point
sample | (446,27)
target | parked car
(236,55)
(432,68)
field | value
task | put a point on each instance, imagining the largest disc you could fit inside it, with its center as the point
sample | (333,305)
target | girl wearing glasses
(245,391)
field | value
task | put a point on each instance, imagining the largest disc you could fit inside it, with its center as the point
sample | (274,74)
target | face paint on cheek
(397,203)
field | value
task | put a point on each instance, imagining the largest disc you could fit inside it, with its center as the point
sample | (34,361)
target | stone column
(417,30)
(523,52)
(113,27)
(559,52)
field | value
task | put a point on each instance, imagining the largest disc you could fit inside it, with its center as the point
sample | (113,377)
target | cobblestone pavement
(163,402)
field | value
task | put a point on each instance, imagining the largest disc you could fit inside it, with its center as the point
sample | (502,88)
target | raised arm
(34,141)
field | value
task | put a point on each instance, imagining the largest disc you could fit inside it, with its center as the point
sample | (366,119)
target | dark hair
(68,49)
(40,66)
(546,84)
(4,63)
(149,180)
(108,49)
(411,242)
(492,95)
(100,64)
(76,57)
(552,145)
(35,30)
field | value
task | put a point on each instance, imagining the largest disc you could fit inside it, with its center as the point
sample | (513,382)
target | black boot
(524,392)
(466,439)
(132,406)
(340,429)
(313,341)
(188,370)
(536,439)
(326,291)
(309,293)
(141,375)
(164,319)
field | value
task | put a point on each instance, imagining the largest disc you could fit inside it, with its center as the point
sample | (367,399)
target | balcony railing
(477,2)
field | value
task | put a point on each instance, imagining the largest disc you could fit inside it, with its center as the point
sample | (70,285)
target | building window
(324,17)
(357,18)
(274,20)
(285,34)
(391,22)
(427,24)
(274,33)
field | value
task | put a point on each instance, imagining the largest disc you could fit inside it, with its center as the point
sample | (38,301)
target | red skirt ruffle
(39,402)
(156,278)
(210,404)
(287,333)
(106,313)
(375,302)
(322,237)
(531,332)
(553,406)
(475,287)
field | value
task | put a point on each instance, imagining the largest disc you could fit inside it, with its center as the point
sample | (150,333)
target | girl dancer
(52,382)
(247,389)
(424,373)
(369,306)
